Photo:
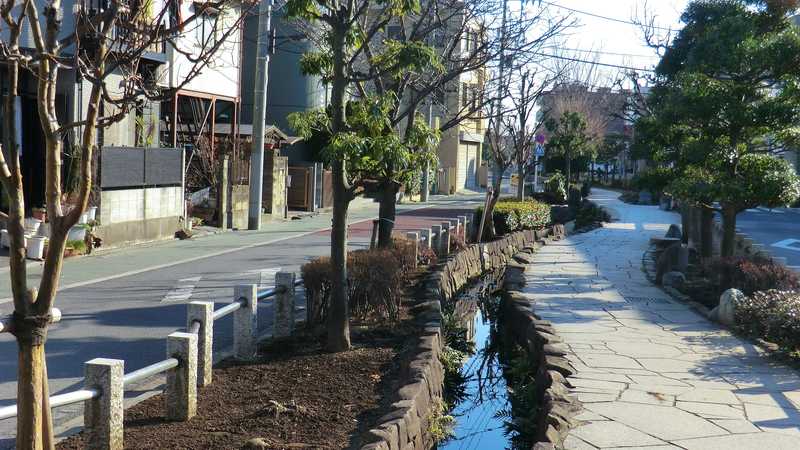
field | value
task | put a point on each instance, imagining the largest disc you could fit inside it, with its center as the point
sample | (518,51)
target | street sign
(539,150)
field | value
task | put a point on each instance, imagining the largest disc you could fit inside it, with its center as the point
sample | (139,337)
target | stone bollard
(102,416)
(284,304)
(180,399)
(203,312)
(373,240)
(414,237)
(436,236)
(444,242)
(245,321)
(425,236)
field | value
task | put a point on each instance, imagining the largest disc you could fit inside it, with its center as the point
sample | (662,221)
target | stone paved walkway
(652,373)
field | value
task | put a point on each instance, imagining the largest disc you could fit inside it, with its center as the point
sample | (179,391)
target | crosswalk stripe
(182,290)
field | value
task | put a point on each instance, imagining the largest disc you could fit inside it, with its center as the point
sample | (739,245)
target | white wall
(221,75)
(128,205)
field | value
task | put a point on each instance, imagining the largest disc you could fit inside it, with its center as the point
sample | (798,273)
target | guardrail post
(102,416)
(245,321)
(444,241)
(284,304)
(414,237)
(203,312)
(465,227)
(180,396)
(425,235)
(436,231)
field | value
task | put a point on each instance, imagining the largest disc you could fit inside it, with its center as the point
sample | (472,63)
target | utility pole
(263,50)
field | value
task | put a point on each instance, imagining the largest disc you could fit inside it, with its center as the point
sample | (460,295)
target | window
(469,95)
(470,41)
(206,25)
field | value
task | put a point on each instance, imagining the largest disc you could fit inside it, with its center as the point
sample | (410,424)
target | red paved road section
(411,220)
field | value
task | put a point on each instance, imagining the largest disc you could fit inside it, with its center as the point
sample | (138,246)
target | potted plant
(78,232)
(35,247)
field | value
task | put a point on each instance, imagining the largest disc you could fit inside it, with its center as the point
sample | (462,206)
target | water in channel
(479,398)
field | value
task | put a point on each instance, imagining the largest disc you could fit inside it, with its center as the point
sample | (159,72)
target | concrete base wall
(126,233)
(139,215)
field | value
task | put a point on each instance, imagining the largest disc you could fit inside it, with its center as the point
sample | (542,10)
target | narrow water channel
(478,422)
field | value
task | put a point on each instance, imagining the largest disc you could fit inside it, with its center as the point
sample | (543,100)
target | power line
(601,52)
(598,16)
(567,58)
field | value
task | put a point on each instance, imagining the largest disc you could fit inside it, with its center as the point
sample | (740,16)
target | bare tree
(522,125)
(582,88)
(108,39)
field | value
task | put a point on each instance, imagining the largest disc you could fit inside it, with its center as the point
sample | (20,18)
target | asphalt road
(778,229)
(123,304)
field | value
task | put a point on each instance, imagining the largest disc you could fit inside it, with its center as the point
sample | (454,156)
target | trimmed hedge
(556,187)
(375,282)
(590,214)
(773,316)
(510,215)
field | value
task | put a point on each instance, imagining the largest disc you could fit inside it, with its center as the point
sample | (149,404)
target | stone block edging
(558,407)
(406,426)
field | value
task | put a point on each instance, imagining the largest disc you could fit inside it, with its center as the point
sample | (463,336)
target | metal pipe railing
(229,308)
(195,327)
(266,293)
(139,374)
(55,401)
(69,398)
(149,371)
(271,292)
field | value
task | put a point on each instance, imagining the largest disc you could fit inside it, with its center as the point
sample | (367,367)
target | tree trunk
(48,437)
(387,210)
(338,316)
(706,233)
(568,168)
(488,226)
(520,181)
(686,224)
(728,232)
(338,323)
(30,392)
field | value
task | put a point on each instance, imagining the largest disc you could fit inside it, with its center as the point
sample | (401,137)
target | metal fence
(188,362)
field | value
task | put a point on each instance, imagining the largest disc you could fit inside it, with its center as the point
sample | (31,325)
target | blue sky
(615,42)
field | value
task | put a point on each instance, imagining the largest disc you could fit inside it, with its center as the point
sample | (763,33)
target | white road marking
(768,210)
(182,291)
(266,277)
(788,244)
(220,253)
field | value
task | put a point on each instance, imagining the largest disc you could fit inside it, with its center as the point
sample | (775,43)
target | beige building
(461,146)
